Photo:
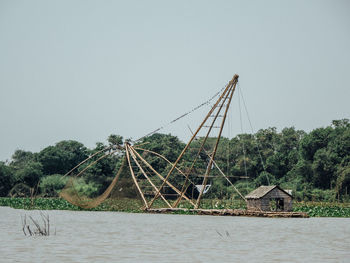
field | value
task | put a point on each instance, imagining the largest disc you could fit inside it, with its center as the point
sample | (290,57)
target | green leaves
(52,184)
(62,157)
(323,209)
(6,179)
(30,174)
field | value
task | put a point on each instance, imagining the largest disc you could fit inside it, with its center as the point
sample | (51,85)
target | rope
(182,116)
(251,127)
(241,122)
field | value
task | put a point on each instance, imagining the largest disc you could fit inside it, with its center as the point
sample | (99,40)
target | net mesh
(72,195)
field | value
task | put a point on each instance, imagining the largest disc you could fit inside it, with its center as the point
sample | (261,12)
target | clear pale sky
(82,70)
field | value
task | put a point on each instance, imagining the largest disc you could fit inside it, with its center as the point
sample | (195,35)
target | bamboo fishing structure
(141,169)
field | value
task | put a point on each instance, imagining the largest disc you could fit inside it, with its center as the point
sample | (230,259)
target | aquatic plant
(319,209)
(314,209)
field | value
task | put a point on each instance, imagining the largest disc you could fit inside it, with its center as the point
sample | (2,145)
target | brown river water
(126,237)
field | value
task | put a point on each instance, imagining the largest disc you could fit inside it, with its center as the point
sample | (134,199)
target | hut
(269,198)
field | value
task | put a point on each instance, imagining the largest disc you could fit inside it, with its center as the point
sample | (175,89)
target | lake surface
(123,237)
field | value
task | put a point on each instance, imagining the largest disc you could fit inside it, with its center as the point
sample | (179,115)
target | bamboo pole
(164,158)
(145,175)
(133,175)
(75,167)
(235,79)
(225,176)
(222,173)
(185,186)
(162,178)
(91,164)
(188,144)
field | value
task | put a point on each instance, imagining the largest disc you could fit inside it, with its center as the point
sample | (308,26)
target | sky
(82,70)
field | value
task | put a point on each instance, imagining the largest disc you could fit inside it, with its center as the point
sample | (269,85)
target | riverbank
(314,209)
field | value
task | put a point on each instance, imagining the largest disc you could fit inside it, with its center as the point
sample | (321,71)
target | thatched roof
(262,191)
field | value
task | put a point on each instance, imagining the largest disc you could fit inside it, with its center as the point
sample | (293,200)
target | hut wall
(276,193)
(253,204)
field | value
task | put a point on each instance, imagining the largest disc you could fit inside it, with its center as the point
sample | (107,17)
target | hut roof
(262,191)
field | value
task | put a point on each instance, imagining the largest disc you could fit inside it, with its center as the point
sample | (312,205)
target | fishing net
(72,195)
(194,167)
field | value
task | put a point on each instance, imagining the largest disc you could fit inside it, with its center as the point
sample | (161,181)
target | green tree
(20,158)
(314,141)
(6,179)
(52,184)
(115,139)
(101,174)
(30,174)
(62,157)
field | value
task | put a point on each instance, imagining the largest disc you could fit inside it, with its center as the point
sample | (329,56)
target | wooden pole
(145,175)
(185,186)
(222,173)
(75,167)
(133,175)
(91,164)
(161,177)
(194,135)
(235,79)
(163,157)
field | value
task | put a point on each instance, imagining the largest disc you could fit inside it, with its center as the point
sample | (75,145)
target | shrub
(51,185)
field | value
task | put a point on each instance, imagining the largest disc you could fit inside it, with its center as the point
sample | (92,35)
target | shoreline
(313,209)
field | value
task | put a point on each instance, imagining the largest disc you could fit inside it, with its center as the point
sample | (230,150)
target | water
(123,237)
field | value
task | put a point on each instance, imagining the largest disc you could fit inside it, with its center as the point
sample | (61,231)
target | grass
(314,209)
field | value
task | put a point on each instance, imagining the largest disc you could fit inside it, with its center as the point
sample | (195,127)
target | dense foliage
(315,165)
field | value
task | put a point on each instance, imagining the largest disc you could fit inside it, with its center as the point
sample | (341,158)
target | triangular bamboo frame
(132,155)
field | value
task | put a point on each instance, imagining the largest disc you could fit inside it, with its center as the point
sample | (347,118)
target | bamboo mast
(184,187)
(235,79)
(194,135)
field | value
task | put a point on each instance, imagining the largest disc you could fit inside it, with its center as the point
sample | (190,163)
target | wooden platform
(228,212)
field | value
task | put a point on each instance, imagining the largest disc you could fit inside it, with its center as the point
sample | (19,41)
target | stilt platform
(228,212)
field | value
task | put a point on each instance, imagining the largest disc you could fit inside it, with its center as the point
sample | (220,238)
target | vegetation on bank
(315,165)
(314,209)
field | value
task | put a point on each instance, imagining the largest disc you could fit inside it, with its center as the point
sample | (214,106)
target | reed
(34,227)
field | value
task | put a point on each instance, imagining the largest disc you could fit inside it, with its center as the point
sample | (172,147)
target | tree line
(315,165)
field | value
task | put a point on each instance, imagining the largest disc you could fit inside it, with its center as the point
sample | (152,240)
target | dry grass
(33,227)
